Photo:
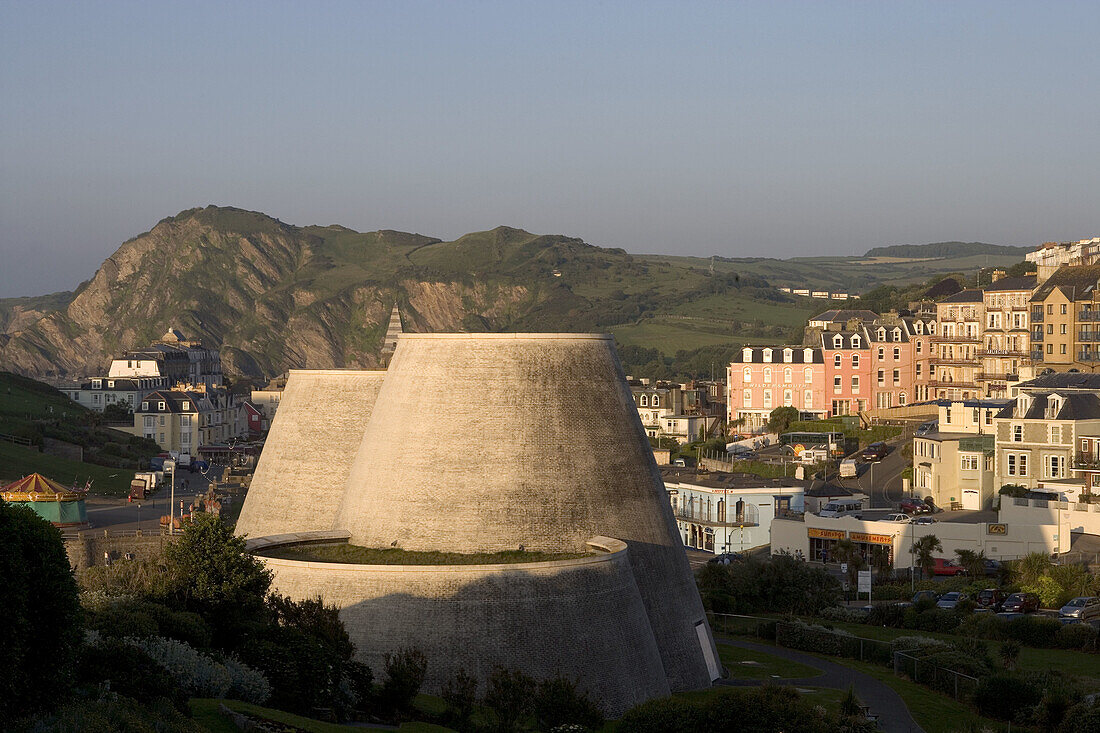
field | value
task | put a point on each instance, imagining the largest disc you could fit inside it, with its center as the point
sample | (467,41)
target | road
(885,704)
(123,516)
(881,481)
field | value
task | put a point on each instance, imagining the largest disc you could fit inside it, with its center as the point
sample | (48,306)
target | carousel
(60,505)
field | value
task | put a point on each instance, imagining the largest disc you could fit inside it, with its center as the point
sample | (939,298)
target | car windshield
(950,596)
(1016,597)
(1076,602)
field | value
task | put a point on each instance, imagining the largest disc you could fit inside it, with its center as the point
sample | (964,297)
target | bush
(405,671)
(918,646)
(1076,636)
(1033,631)
(246,683)
(509,695)
(127,670)
(1004,696)
(198,674)
(840,614)
(460,694)
(982,626)
(780,583)
(1084,717)
(558,702)
(360,678)
(886,615)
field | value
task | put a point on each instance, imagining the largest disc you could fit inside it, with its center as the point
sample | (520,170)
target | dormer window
(746,354)
(857,343)
(160,406)
(144,406)
(838,342)
(767,354)
(656,401)
(897,334)
(882,334)
(808,355)
(788,354)
(185,406)
(110,384)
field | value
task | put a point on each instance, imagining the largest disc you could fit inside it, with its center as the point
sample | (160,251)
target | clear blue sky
(771,128)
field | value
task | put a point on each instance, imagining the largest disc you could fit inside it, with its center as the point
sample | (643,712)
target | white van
(843,508)
(849,468)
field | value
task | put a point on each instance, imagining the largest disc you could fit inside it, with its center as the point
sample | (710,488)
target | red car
(946,567)
(913,506)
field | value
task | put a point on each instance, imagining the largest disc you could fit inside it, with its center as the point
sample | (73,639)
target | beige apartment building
(1006,350)
(954,464)
(186,418)
(955,364)
(1065,320)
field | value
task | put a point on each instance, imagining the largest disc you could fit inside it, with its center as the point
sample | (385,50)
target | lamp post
(171,466)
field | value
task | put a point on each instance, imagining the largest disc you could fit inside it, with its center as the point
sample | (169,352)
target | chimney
(997,275)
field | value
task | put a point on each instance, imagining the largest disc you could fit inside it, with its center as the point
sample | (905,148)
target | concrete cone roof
(306,460)
(485,442)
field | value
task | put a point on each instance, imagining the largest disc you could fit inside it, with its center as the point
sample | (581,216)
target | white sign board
(864,582)
(843,567)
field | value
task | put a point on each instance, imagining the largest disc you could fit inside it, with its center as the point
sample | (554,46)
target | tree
(1029,568)
(845,551)
(558,702)
(974,562)
(510,695)
(922,553)
(41,609)
(211,573)
(405,671)
(781,418)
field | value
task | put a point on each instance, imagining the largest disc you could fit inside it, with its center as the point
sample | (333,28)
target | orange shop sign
(827,534)
(871,539)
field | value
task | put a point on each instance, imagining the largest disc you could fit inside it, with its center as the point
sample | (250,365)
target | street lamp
(170,465)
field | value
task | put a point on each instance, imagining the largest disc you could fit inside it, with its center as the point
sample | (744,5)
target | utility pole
(172,499)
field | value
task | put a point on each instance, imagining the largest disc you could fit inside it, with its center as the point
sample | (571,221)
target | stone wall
(583,618)
(87,548)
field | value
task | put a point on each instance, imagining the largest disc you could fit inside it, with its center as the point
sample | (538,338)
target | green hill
(947,249)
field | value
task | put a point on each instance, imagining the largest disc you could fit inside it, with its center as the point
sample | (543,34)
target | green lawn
(396,556)
(670,337)
(17,461)
(751,664)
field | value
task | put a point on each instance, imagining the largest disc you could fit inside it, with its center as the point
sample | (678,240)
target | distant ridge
(947,249)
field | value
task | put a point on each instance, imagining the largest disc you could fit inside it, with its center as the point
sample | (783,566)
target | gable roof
(1024,282)
(973,295)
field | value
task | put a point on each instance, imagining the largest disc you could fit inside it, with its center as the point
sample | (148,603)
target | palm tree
(922,552)
(845,551)
(1029,568)
(974,562)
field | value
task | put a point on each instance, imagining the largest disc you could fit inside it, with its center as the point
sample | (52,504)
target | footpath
(887,705)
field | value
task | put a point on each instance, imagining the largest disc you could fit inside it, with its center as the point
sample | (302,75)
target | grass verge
(17,461)
(207,713)
(751,664)
(395,556)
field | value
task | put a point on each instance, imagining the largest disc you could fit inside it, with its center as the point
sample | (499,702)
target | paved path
(893,715)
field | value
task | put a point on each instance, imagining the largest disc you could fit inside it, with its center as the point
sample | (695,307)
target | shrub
(246,683)
(460,694)
(127,669)
(509,695)
(840,614)
(360,678)
(1033,631)
(933,619)
(198,674)
(558,702)
(1004,696)
(1076,636)
(886,615)
(1009,653)
(1048,589)
(1084,717)
(918,646)
(405,671)
(982,626)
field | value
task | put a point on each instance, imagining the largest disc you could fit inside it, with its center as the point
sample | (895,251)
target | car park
(991,598)
(899,518)
(1082,608)
(1021,603)
(875,451)
(951,600)
(992,567)
(943,566)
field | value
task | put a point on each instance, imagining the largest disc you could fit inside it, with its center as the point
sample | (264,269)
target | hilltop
(947,249)
(274,296)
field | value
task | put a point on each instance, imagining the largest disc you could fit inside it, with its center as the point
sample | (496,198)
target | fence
(16,439)
(820,640)
(926,673)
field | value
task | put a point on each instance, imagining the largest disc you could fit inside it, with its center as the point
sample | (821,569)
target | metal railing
(1088,356)
(1088,335)
(1003,352)
(1086,315)
(933,675)
(748,517)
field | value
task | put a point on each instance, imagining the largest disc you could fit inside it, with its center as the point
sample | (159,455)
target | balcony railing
(1037,335)
(747,517)
(1037,355)
(1086,462)
(958,339)
(1088,356)
(1087,315)
(960,385)
(1088,336)
(1036,315)
(960,361)
(998,377)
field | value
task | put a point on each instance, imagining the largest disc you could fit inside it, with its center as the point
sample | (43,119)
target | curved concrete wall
(484,442)
(583,617)
(300,477)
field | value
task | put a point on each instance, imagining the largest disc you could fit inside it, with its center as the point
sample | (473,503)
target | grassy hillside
(31,411)
(947,249)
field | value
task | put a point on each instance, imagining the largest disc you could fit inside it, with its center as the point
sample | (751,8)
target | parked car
(875,451)
(928,427)
(847,508)
(1021,603)
(1082,608)
(849,468)
(913,506)
(921,595)
(992,567)
(679,462)
(952,599)
(991,598)
(900,518)
(726,558)
(924,519)
(943,566)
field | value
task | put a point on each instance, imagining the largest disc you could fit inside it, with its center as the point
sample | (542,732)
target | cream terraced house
(1037,434)
(954,464)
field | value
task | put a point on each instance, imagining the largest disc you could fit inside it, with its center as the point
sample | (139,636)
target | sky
(734,128)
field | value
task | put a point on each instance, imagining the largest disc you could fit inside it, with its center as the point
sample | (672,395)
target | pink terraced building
(763,378)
